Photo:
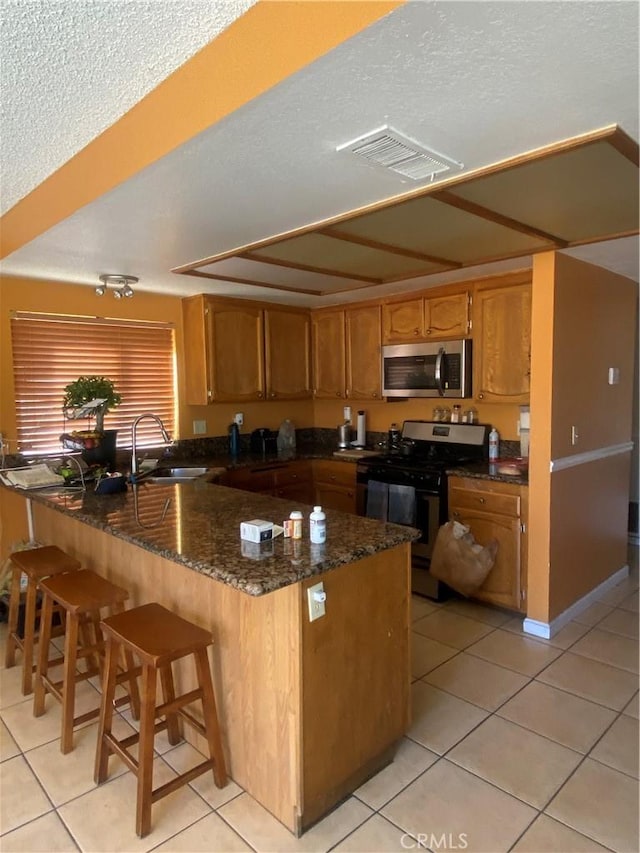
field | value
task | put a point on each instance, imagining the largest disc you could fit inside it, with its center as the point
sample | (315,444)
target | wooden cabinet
(291,480)
(241,351)
(502,343)
(496,510)
(346,353)
(426,317)
(335,484)
(329,355)
(287,353)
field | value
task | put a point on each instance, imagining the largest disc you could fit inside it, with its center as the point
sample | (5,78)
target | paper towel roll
(361,431)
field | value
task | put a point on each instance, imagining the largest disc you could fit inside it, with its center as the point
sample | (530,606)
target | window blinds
(49,352)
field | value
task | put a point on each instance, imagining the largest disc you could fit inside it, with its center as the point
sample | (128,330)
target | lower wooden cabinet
(291,480)
(496,510)
(335,484)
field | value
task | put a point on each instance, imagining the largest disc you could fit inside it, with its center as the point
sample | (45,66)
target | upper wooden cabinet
(287,353)
(346,353)
(239,351)
(502,343)
(426,318)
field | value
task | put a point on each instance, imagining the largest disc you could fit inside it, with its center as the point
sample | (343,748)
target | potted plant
(79,401)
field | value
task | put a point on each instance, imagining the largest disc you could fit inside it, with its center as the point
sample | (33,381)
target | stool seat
(157,637)
(36,564)
(81,595)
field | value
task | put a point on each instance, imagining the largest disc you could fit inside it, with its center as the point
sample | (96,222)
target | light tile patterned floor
(516,744)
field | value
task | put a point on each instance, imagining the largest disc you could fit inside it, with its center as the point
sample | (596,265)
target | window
(50,351)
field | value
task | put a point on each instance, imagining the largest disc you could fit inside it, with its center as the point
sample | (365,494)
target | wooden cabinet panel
(494,510)
(196,351)
(292,480)
(335,484)
(364,372)
(237,352)
(402,322)
(329,360)
(447,316)
(502,355)
(287,354)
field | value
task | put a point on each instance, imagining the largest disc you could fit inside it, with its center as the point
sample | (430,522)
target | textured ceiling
(477,81)
(70,68)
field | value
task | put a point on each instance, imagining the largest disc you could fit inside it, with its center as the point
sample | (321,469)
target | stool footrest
(179,702)
(193,722)
(179,781)
(119,748)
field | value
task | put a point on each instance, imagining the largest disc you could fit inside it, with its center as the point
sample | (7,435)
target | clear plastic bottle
(318,526)
(455,414)
(494,443)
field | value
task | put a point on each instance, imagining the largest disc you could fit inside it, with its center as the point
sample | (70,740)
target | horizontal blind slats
(49,353)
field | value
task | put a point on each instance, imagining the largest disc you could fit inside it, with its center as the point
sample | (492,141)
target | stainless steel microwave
(427,370)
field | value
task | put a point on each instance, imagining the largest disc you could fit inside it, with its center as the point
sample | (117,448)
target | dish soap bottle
(494,442)
(318,526)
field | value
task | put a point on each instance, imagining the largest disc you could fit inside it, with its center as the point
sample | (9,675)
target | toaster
(264,442)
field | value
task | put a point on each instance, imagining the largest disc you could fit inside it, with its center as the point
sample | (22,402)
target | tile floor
(516,744)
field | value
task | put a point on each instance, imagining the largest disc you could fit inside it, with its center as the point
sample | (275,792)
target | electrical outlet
(316,597)
(199,427)
(238,418)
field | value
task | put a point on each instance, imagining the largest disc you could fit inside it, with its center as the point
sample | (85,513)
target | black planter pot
(104,453)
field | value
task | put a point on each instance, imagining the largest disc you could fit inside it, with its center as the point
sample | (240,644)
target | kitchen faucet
(134,431)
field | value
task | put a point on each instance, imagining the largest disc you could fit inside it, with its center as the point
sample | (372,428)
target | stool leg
(169,693)
(211,718)
(69,682)
(145,750)
(128,665)
(14,609)
(46,618)
(29,629)
(106,712)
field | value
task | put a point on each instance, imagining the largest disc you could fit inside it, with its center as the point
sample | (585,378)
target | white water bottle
(494,441)
(318,526)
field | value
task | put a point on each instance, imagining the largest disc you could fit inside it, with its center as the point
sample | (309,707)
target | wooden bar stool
(156,636)
(81,595)
(37,564)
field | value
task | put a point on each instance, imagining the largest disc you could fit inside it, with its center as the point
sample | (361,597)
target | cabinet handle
(429,331)
(416,331)
(272,394)
(338,393)
(259,394)
(375,394)
(455,513)
(481,396)
(481,500)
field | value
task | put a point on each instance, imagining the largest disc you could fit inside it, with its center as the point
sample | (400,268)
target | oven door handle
(438,371)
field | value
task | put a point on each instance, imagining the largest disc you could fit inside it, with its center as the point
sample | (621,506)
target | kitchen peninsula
(309,710)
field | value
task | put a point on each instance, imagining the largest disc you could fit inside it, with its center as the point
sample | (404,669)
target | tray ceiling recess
(582,190)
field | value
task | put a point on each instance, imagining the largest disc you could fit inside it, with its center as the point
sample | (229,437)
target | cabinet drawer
(492,502)
(338,473)
(296,472)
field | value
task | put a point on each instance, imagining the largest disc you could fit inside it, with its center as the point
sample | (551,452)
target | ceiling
(479,82)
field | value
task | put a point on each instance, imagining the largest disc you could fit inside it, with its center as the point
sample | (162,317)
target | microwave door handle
(438,371)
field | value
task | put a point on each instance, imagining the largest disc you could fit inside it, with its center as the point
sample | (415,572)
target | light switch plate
(199,427)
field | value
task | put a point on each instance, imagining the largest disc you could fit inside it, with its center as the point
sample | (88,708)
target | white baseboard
(546,630)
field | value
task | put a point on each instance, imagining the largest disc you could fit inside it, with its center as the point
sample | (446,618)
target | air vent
(393,150)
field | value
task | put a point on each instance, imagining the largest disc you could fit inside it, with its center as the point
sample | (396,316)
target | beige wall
(583,322)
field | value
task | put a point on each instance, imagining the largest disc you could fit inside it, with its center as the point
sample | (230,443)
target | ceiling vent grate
(392,150)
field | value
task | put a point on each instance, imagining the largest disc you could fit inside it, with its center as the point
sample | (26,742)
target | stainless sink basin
(177,475)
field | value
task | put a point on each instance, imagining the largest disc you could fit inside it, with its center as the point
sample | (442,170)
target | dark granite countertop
(490,471)
(198,525)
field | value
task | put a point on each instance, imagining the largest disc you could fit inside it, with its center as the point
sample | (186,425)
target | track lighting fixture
(121,283)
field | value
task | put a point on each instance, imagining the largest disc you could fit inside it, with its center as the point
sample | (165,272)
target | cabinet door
(331,496)
(502,586)
(502,355)
(403,322)
(287,354)
(447,316)
(364,371)
(196,351)
(328,355)
(237,352)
